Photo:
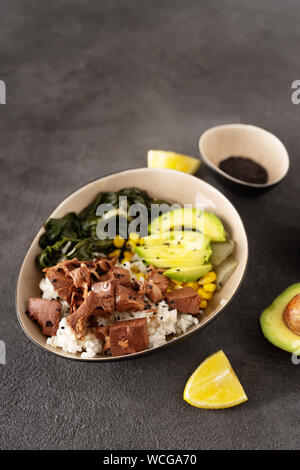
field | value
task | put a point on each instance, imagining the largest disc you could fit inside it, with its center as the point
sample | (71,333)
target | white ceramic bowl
(245,140)
(165,184)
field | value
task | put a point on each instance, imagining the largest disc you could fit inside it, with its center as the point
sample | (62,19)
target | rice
(66,340)
(161,324)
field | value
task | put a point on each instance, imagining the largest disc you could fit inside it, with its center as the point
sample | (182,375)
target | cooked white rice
(160,324)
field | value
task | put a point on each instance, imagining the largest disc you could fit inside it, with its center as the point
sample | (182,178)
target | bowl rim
(155,348)
(215,168)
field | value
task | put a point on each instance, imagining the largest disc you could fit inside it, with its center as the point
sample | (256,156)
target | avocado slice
(186,239)
(273,326)
(190,218)
(188,274)
(161,256)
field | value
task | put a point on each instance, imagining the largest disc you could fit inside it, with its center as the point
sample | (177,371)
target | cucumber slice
(221,251)
(224,270)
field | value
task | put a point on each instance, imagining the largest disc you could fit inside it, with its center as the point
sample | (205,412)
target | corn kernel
(204,295)
(210,287)
(130,245)
(203,304)
(141,241)
(177,287)
(208,278)
(193,285)
(140,276)
(134,237)
(135,269)
(179,283)
(124,260)
(118,241)
(128,255)
(114,253)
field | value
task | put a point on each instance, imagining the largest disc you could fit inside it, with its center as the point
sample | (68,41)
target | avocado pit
(291,315)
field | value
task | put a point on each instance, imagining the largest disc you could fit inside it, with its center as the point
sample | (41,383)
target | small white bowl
(220,142)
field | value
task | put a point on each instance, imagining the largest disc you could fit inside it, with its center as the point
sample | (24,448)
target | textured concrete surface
(91,86)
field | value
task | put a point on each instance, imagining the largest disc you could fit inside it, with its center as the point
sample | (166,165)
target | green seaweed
(74,235)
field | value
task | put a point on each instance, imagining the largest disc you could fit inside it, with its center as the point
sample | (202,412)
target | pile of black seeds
(244,169)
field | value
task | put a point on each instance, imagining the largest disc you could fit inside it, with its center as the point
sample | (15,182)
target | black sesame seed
(49,323)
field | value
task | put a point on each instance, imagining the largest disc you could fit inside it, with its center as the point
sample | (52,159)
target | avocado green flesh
(188,274)
(212,227)
(178,218)
(188,240)
(190,218)
(273,326)
(163,257)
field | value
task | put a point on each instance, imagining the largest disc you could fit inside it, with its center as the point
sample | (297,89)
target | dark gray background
(91,86)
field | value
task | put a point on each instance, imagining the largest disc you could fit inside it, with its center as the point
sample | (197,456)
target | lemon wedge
(172,161)
(214,384)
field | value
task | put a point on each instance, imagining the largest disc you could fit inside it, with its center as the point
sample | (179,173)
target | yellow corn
(134,237)
(128,255)
(118,241)
(141,241)
(124,260)
(203,304)
(177,287)
(179,283)
(208,278)
(210,287)
(204,295)
(140,276)
(193,285)
(135,269)
(114,253)
(130,245)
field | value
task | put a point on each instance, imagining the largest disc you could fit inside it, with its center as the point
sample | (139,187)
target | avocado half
(273,326)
